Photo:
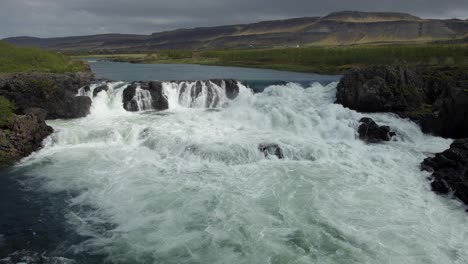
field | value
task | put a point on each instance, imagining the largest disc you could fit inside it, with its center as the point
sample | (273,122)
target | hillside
(340,28)
(15,59)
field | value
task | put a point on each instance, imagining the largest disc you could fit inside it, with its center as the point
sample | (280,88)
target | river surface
(189,185)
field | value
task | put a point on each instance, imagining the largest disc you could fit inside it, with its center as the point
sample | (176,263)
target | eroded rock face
(370,132)
(271,150)
(450,170)
(55,93)
(22,136)
(436,98)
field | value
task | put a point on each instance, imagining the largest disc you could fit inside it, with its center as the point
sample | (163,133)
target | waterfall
(196,94)
(143,99)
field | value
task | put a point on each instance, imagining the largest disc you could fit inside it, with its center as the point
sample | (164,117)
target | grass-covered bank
(15,59)
(312,59)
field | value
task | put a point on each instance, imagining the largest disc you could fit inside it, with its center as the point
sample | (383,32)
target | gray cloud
(52,18)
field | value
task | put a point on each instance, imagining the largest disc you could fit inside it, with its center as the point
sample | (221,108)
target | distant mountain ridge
(339,28)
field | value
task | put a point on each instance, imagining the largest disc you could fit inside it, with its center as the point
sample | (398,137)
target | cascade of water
(195,94)
(143,99)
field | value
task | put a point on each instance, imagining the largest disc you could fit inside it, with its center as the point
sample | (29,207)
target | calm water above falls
(188,185)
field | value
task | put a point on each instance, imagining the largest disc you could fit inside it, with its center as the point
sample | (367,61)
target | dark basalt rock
(436,98)
(99,89)
(127,98)
(370,132)
(157,94)
(450,170)
(232,87)
(381,89)
(271,150)
(22,136)
(55,93)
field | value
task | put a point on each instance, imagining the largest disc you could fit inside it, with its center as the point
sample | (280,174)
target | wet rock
(127,98)
(22,136)
(158,100)
(55,93)
(157,94)
(232,87)
(99,89)
(370,132)
(271,150)
(450,170)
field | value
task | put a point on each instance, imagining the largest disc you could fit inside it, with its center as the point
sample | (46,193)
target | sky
(57,18)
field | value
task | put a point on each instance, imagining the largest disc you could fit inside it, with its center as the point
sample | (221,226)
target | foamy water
(189,185)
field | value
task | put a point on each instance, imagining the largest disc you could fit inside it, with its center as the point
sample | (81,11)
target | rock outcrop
(55,93)
(436,98)
(450,170)
(23,135)
(370,132)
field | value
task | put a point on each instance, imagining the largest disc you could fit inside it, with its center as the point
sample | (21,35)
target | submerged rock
(271,150)
(450,170)
(370,132)
(436,98)
(55,93)
(22,136)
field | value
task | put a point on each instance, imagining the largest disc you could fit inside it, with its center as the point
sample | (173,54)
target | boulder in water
(159,101)
(129,103)
(450,170)
(271,150)
(370,132)
(99,89)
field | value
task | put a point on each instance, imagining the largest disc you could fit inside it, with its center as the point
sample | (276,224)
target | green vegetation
(313,59)
(6,110)
(15,59)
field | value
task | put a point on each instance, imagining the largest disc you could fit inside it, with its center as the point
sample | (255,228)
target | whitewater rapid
(189,185)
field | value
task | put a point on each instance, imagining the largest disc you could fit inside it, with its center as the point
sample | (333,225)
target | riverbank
(324,60)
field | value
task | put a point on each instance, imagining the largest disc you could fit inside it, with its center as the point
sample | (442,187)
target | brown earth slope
(340,28)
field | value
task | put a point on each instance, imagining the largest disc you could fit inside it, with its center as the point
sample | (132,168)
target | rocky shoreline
(37,97)
(435,98)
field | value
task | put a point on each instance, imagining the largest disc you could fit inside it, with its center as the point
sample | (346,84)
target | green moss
(6,110)
(16,59)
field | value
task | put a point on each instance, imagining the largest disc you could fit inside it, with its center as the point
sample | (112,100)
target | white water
(189,185)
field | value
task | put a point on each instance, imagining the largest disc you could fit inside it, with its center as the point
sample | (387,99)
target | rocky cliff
(436,98)
(55,93)
(37,97)
(22,136)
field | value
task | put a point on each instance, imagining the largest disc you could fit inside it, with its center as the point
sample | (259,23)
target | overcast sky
(55,18)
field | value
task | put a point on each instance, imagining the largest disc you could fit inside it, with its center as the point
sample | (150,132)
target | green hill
(17,59)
